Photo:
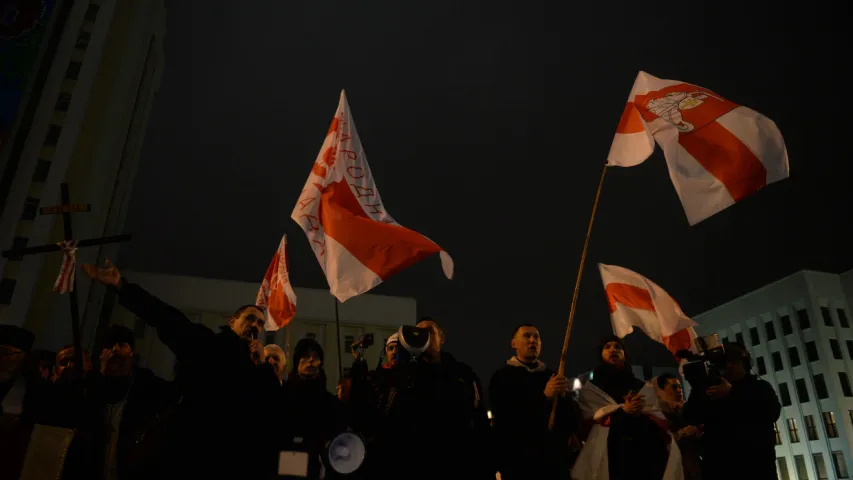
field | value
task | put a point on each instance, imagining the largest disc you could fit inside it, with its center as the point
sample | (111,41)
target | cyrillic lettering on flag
(276,295)
(355,239)
(636,301)
(717,152)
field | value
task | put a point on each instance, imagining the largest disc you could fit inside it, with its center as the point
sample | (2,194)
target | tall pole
(72,295)
(562,369)
(340,346)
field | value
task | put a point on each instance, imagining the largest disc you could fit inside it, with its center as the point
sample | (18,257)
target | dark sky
(486,125)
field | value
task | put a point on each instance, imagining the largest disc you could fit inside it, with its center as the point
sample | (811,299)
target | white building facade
(81,120)
(212,302)
(799,332)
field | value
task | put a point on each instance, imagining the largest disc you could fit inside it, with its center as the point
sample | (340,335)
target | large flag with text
(355,240)
(276,295)
(717,152)
(636,301)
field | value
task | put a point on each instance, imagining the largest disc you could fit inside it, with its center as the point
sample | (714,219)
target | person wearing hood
(312,415)
(629,437)
(225,384)
(521,395)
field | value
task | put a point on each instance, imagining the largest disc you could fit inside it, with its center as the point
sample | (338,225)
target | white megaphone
(345,453)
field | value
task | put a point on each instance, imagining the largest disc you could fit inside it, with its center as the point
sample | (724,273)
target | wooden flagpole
(562,368)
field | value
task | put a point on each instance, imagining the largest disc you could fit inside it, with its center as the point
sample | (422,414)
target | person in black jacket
(226,387)
(439,425)
(521,395)
(311,414)
(737,417)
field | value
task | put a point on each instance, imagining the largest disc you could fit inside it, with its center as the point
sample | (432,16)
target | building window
(820,466)
(73,70)
(782,466)
(770,330)
(842,318)
(800,464)
(802,391)
(92,12)
(778,433)
(794,356)
(811,428)
(83,40)
(827,316)
(836,349)
(785,320)
(845,384)
(753,336)
(777,362)
(311,335)
(793,431)
(762,367)
(811,352)
(270,338)
(784,394)
(739,338)
(829,423)
(63,102)
(52,137)
(850,349)
(348,340)
(840,464)
(803,319)
(820,387)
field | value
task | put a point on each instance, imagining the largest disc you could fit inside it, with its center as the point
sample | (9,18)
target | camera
(363,342)
(704,369)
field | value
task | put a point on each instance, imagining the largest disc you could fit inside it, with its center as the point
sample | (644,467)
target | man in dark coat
(311,414)
(15,342)
(521,395)
(226,388)
(440,427)
(737,417)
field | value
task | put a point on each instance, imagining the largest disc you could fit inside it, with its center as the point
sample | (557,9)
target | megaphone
(345,453)
(414,341)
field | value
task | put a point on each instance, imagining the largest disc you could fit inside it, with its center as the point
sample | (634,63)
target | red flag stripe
(725,157)
(631,121)
(680,340)
(629,295)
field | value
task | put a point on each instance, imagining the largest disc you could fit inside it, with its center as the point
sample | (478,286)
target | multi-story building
(211,302)
(798,331)
(89,70)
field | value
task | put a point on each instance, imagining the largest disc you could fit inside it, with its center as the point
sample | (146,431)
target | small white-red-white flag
(355,240)
(65,281)
(276,295)
(636,301)
(717,152)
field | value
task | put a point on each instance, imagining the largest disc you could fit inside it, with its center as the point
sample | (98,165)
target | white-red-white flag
(636,301)
(276,295)
(717,152)
(355,240)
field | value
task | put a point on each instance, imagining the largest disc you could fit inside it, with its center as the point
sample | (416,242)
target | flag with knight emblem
(276,295)
(717,152)
(355,239)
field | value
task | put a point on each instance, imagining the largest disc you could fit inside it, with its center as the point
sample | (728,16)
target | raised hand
(257,352)
(109,275)
(634,403)
(557,385)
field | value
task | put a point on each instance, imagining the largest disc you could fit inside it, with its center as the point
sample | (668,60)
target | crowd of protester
(239,409)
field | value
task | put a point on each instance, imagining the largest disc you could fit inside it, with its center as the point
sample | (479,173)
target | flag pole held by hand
(562,369)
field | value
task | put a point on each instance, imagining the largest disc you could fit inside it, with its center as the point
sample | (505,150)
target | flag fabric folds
(636,301)
(717,152)
(276,295)
(355,239)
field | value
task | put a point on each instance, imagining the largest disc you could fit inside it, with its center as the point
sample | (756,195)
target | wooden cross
(66,209)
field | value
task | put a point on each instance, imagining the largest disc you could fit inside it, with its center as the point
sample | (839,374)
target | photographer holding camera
(736,413)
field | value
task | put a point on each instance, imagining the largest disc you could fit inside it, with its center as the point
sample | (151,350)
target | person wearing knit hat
(313,415)
(117,351)
(391,346)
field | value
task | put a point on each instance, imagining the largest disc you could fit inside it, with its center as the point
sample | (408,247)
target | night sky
(486,125)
